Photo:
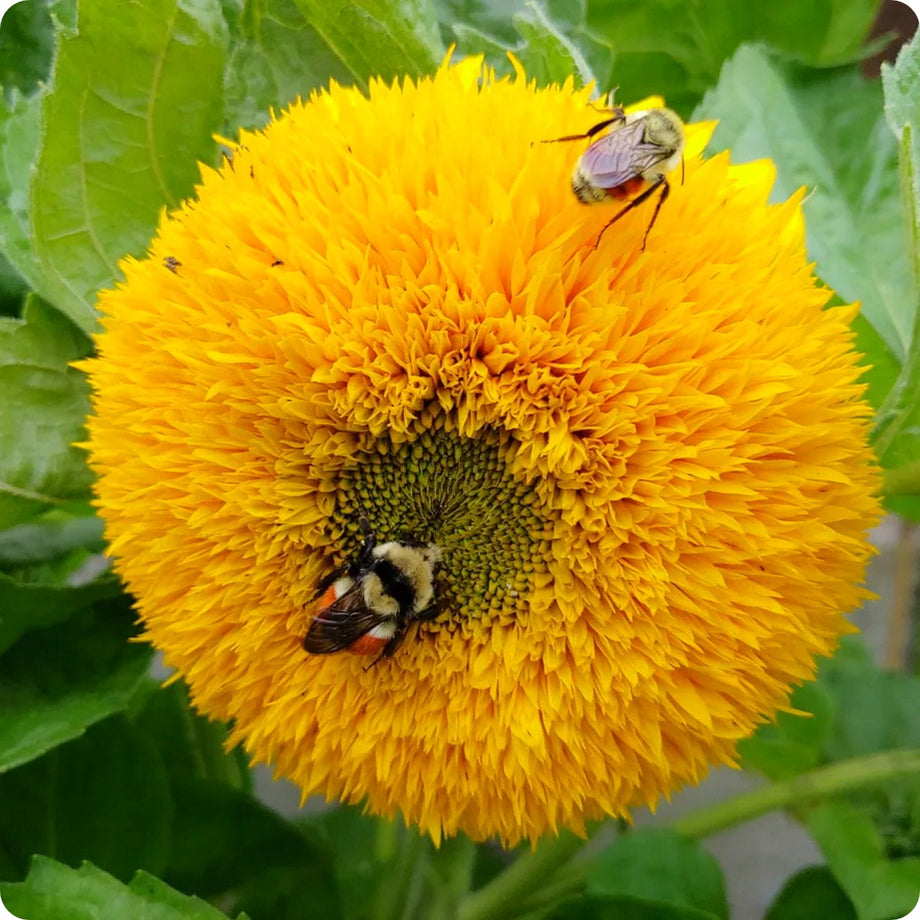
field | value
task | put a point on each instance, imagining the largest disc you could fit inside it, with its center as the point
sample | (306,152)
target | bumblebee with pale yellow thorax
(640,149)
(367,607)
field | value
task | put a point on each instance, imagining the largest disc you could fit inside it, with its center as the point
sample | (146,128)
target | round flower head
(645,472)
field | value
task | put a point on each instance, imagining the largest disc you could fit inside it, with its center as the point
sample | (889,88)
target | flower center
(461,494)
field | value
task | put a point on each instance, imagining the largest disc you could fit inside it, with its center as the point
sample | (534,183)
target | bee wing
(620,156)
(342,623)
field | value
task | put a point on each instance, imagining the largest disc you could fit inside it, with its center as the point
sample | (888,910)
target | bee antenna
(681,170)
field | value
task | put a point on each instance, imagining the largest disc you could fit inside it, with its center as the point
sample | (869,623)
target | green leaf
(552,41)
(56,892)
(882,367)
(547,54)
(898,432)
(489,17)
(874,710)
(471,41)
(26,42)
(872,841)
(49,538)
(660,868)
(54,566)
(277,57)
(192,746)
(41,414)
(794,743)
(25,606)
(811,893)
(607,908)
(361,846)
(825,130)
(225,840)
(287,894)
(20,135)
(135,99)
(378,38)
(879,888)
(676,47)
(56,682)
(103,797)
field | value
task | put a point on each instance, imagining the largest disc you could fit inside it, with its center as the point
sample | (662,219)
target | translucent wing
(620,156)
(342,623)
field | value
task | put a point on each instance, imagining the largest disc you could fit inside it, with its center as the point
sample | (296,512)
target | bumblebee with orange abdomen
(368,607)
(641,148)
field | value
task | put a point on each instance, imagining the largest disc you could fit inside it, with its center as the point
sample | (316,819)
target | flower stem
(807,787)
(502,896)
(546,883)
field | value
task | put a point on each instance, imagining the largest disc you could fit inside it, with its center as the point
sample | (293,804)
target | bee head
(663,128)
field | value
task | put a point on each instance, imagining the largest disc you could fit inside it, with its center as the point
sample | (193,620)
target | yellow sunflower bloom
(646,471)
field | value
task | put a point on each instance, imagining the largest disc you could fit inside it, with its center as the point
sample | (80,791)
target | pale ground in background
(756,857)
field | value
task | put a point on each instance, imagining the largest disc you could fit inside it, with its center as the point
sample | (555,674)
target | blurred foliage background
(107,108)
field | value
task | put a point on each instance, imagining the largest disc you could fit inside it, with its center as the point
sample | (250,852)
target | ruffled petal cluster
(647,470)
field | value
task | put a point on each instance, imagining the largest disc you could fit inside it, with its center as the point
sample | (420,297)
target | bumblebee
(368,607)
(639,150)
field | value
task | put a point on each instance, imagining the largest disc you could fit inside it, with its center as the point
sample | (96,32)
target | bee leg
(429,613)
(618,116)
(364,554)
(658,183)
(665,191)
(611,106)
(328,580)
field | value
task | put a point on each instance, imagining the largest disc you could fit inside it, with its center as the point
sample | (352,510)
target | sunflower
(646,470)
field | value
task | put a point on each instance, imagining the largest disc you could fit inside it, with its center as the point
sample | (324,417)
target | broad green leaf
(898,435)
(378,38)
(287,894)
(908,506)
(277,57)
(28,605)
(871,841)
(794,743)
(571,16)
(41,413)
(225,840)
(676,48)
(450,870)
(56,892)
(547,54)
(49,538)
(489,17)
(879,888)
(882,367)
(660,868)
(825,130)
(135,99)
(874,710)
(597,907)
(13,288)
(20,135)
(102,797)
(56,682)
(64,12)
(26,42)
(361,847)
(192,746)
(550,39)
(471,41)
(811,893)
